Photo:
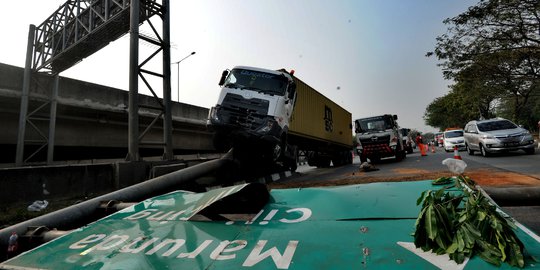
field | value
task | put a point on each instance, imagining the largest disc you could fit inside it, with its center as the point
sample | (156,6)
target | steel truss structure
(80,28)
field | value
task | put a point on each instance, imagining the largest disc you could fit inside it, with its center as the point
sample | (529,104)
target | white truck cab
(379,137)
(254,105)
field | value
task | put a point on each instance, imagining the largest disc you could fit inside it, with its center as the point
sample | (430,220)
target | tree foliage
(492,52)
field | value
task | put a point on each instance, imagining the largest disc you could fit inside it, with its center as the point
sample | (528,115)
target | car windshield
(263,82)
(496,125)
(453,134)
(379,123)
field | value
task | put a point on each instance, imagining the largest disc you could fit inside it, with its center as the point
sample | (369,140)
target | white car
(453,138)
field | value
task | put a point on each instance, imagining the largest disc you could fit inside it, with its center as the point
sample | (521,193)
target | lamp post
(177,63)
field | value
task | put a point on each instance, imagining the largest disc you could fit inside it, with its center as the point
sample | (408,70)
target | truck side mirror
(292,89)
(292,92)
(223,76)
(357,127)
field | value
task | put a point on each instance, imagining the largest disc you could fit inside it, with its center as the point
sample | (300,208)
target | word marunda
(225,250)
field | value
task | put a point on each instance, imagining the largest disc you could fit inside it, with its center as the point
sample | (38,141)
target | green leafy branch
(463,224)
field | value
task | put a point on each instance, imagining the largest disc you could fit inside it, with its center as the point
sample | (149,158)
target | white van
(453,138)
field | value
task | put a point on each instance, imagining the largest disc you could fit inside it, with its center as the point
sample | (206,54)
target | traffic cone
(456,153)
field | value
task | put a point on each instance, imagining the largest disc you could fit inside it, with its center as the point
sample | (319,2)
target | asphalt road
(523,169)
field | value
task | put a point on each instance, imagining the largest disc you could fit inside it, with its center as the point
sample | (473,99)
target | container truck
(272,116)
(379,137)
(407,140)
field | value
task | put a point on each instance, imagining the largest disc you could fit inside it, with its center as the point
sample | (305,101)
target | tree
(493,49)
(452,110)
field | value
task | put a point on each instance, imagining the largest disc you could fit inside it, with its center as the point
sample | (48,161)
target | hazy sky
(367,56)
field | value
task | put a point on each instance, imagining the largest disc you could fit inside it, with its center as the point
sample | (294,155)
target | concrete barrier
(514,196)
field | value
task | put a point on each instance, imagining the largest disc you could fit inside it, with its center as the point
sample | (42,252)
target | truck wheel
(279,149)
(311,161)
(293,166)
(403,154)
(363,159)
(337,159)
(342,158)
(398,156)
(276,152)
(292,158)
(323,163)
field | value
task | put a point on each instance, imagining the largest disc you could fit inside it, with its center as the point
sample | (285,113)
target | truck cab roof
(276,72)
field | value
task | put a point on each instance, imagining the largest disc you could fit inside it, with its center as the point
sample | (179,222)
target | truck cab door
(290,100)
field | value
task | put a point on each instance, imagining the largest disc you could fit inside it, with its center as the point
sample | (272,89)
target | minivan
(496,135)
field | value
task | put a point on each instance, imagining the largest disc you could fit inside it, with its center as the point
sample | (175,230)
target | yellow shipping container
(318,118)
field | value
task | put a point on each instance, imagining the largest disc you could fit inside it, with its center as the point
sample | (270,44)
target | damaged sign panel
(365,226)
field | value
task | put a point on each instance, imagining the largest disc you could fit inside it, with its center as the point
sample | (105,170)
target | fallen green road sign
(366,226)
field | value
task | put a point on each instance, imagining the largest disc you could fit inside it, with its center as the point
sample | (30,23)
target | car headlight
(488,137)
(267,127)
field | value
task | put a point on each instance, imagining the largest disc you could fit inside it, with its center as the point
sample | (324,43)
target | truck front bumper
(249,129)
(377,150)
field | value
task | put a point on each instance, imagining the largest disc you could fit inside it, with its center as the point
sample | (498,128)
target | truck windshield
(379,123)
(258,81)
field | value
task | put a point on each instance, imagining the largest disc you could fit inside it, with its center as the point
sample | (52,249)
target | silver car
(496,135)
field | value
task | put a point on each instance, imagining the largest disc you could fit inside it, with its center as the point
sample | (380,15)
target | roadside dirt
(482,177)
(486,177)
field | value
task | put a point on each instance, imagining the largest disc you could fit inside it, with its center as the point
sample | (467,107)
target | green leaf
(481,215)
(473,230)
(452,248)
(515,255)
(431,222)
(462,217)
(502,247)
(460,242)
(421,216)
(422,197)
(462,224)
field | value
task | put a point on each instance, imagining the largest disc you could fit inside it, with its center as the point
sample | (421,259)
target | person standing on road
(419,142)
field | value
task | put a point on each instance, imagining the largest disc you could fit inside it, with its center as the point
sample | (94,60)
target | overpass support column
(52,121)
(133,121)
(167,119)
(19,158)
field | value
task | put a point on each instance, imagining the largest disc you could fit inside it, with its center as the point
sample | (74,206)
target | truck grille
(246,113)
(375,140)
